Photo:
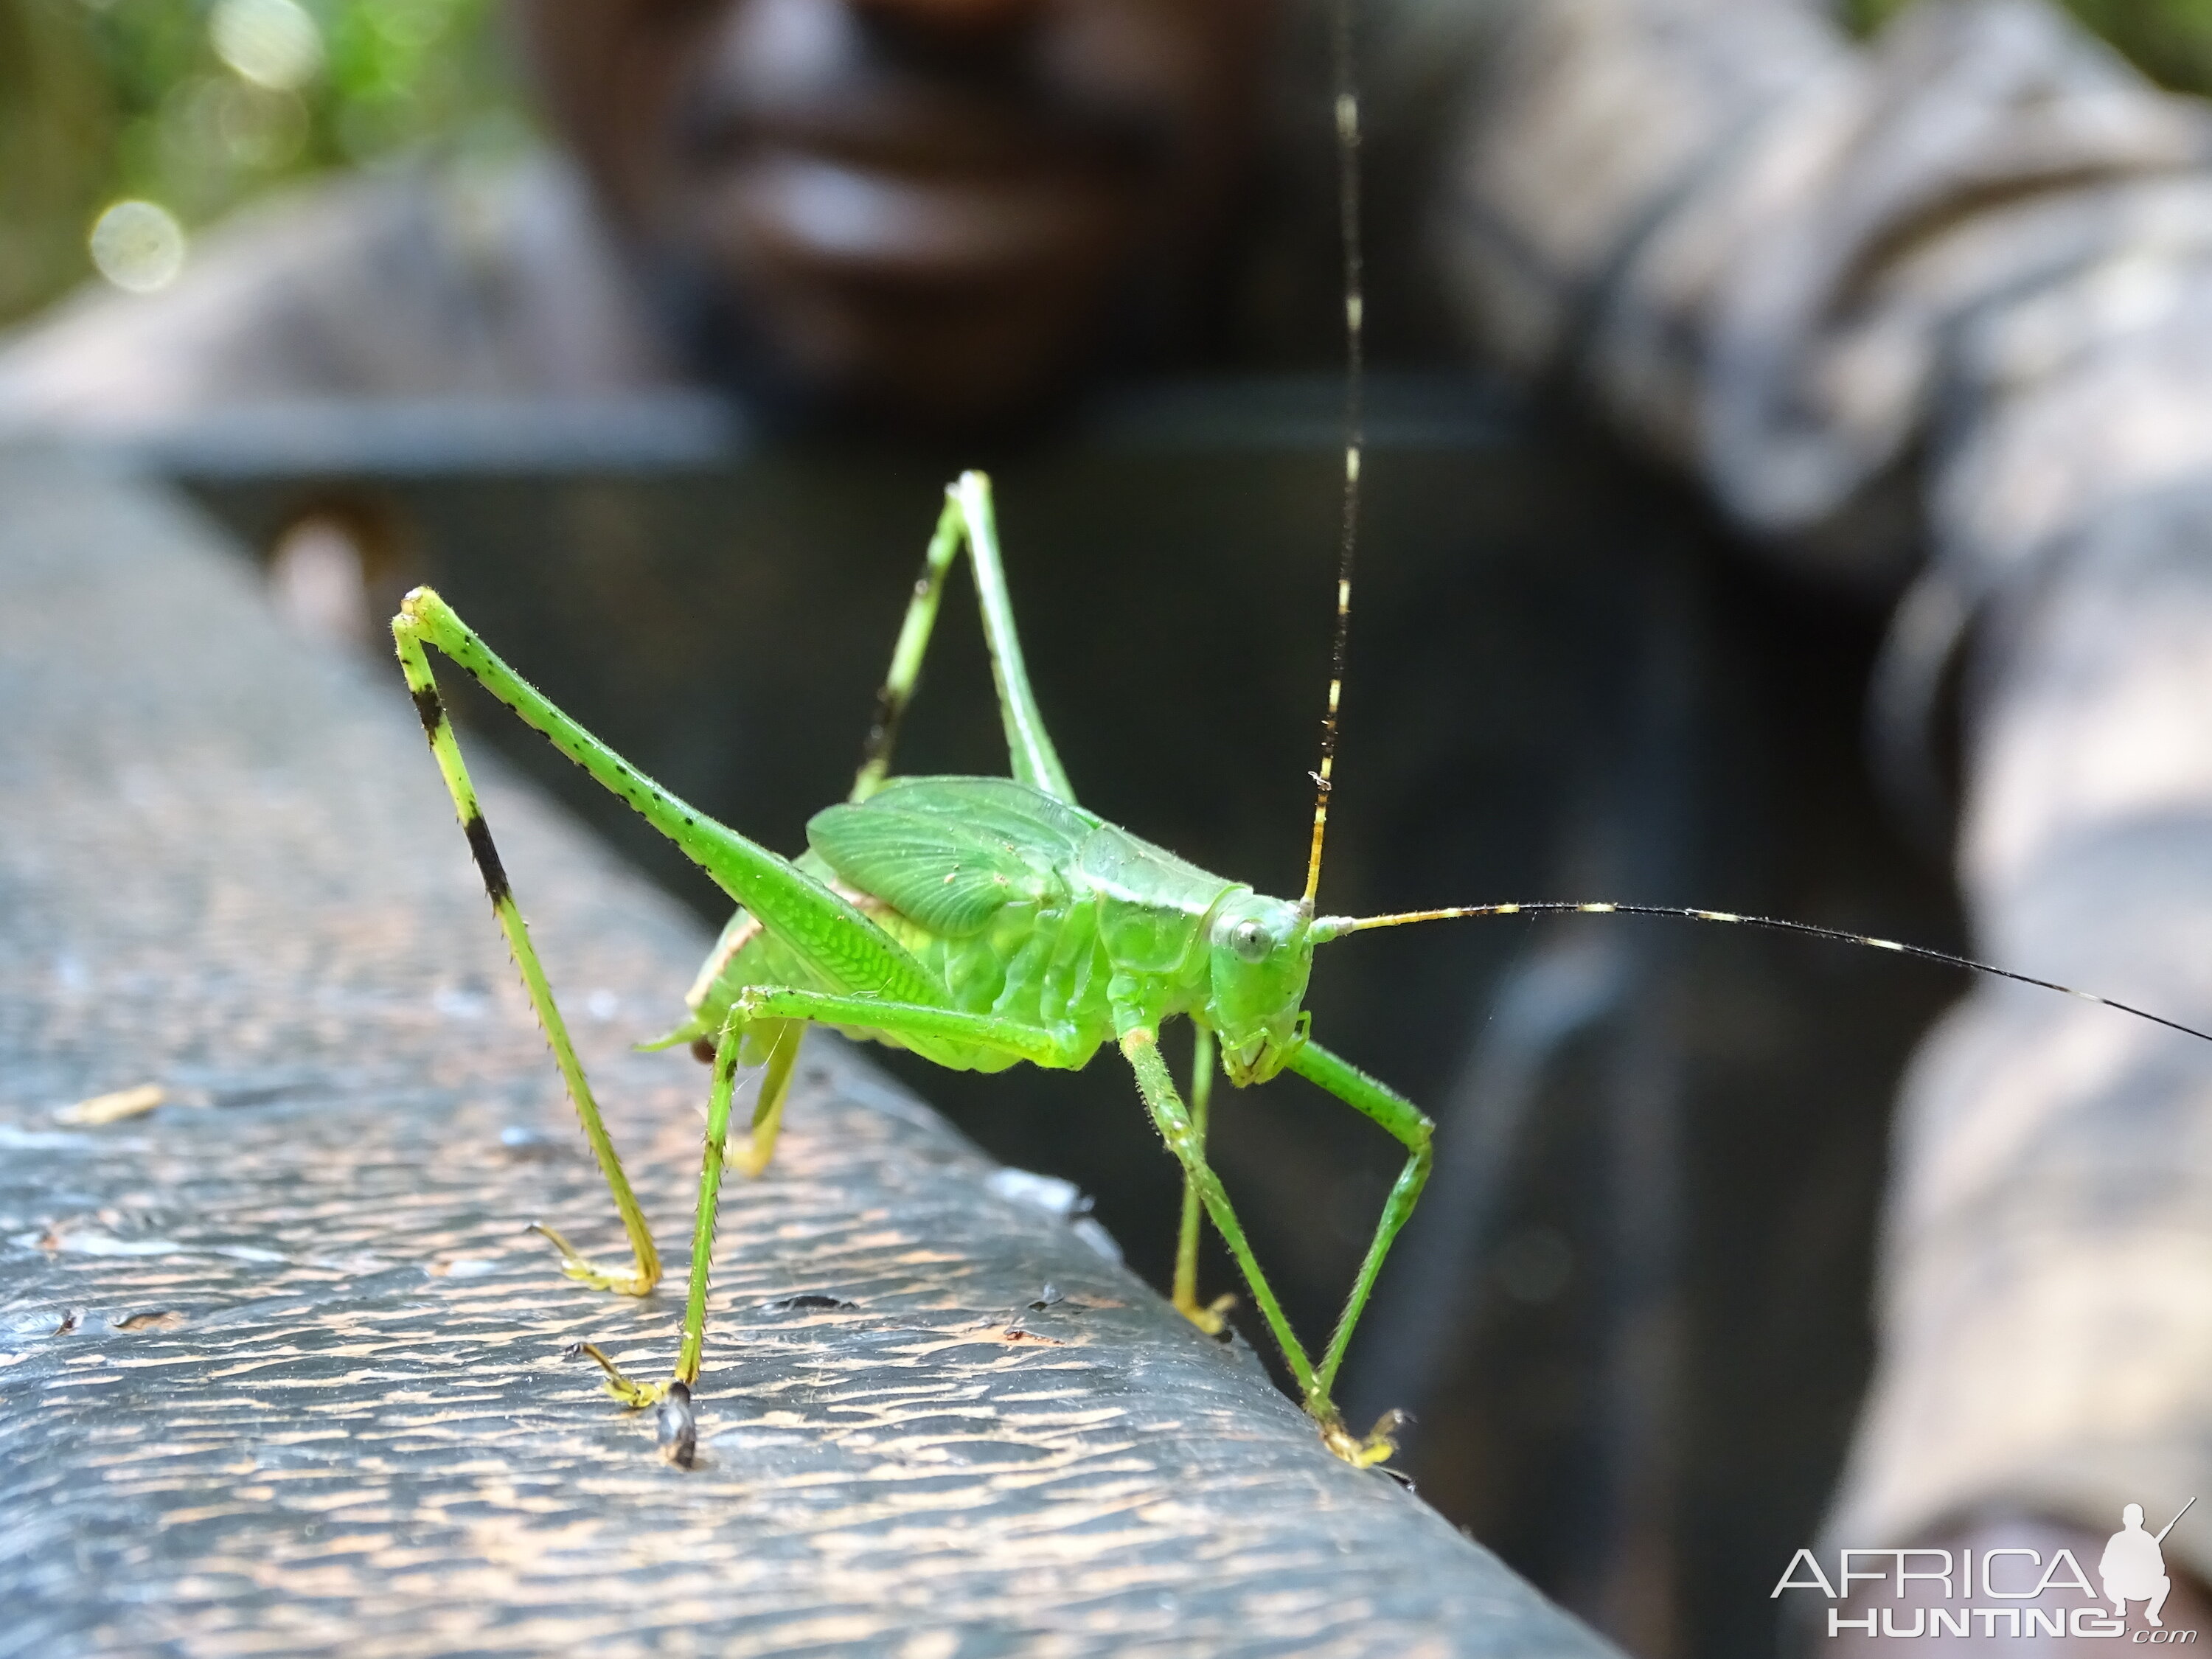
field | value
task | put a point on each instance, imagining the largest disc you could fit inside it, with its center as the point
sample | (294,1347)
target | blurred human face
(932,212)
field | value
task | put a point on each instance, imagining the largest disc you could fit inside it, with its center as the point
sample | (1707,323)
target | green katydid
(979,922)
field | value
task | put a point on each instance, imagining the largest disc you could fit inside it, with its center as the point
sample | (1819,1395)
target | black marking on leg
(676,1426)
(883,730)
(429,708)
(486,858)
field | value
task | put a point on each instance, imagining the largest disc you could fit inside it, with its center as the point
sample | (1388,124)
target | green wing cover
(950,852)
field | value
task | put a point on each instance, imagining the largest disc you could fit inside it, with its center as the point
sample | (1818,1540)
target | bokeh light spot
(138,245)
(272,43)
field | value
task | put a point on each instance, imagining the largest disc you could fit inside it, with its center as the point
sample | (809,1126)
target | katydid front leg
(1212,1318)
(1412,1129)
(1140,1045)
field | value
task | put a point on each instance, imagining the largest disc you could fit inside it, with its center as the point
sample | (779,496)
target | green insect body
(1027,908)
(976,921)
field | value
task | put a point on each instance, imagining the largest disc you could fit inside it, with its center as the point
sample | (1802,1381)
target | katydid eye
(1251,941)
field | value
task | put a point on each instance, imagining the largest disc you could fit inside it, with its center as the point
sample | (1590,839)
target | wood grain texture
(280,1370)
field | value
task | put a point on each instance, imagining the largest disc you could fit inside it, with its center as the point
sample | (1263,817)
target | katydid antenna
(1326,928)
(1346,76)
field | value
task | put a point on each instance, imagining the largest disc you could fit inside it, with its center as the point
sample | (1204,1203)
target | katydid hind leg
(904,675)
(1212,1318)
(645,1270)
(968,519)
(833,939)
(1029,746)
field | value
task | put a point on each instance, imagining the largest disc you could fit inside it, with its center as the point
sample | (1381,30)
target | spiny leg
(1211,1318)
(710,1191)
(784,1041)
(834,940)
(968,519)
(1035,762)
(1412,1130)
(917,1025)
(913,645)
(1140,1046)
(646,1271)
(779,1016)
(678,1428)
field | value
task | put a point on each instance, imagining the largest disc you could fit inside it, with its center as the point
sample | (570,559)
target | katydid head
(1260,957)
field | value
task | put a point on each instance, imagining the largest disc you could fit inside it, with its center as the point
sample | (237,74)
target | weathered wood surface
(280,1370)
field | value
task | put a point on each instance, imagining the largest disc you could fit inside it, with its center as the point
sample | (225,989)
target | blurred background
(1633,1315)
(197,108)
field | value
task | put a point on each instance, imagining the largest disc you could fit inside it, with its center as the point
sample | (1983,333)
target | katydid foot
(585,1271)
(1381,1441)
(676,1424)
(635,1395)
(1212,1318)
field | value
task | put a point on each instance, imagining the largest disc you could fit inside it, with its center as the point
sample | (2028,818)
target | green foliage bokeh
(101,99)
(2171,40)
(104,99)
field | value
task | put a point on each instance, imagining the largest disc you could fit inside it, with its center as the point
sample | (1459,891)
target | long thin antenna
(1329,927)
(1346,65)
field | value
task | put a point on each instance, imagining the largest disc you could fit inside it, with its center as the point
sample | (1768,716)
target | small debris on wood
(113,1108)
(168,1320)
(525,1145)
(1047,1298)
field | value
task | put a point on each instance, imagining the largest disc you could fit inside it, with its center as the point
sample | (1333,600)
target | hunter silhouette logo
(2133,1568)
(1964,1592)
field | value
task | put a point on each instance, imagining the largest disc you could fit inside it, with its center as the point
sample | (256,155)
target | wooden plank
(280,1370)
